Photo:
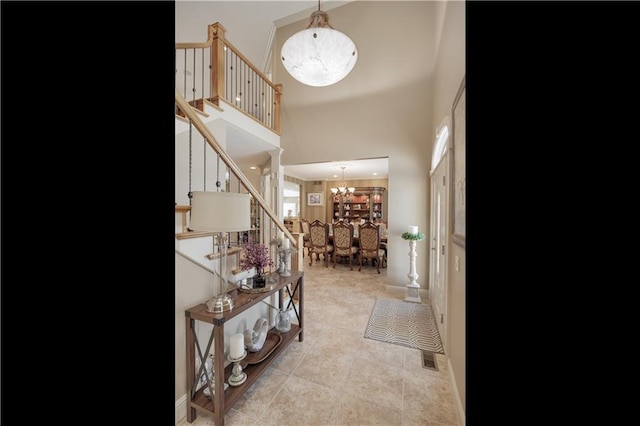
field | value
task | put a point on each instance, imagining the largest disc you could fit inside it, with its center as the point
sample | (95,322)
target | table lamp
(220,212)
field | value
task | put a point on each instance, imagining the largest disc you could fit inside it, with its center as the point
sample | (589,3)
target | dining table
(356,242)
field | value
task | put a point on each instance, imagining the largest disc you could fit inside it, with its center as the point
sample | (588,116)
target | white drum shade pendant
(319,55)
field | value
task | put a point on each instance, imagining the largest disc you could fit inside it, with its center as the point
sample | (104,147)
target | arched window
(440,147)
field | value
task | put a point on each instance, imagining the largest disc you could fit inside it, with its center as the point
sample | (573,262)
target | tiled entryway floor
(336,376)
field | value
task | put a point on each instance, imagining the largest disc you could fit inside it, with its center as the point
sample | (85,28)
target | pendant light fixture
(319,55)
(342,186)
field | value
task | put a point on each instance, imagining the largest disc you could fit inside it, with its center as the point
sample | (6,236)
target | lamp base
(219,304)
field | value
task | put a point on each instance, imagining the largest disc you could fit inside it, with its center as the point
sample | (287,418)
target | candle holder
(281,262)
(285,259)
(238,376)
(207,378)
(276,242)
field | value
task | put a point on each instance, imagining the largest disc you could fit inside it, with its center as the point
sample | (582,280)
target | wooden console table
(223,400)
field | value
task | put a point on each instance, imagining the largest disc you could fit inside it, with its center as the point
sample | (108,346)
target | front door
(438,228)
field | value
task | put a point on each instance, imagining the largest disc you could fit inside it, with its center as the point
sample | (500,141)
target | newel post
(216,35)
(276,107)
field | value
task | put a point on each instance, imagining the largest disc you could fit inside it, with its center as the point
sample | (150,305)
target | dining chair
(369,241)
(319,242)
(343,242)
(383,238)
(306,238)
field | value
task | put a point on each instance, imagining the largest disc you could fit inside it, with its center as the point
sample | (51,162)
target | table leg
(218,361)
(191,355)
(300,287)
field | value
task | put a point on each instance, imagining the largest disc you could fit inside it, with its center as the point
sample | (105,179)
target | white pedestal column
(413,288)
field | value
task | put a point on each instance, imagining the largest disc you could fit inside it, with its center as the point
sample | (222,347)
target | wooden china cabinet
(365,203)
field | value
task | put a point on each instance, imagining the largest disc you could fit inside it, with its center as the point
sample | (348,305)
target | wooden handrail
(217,43)
(216,30)
(211,140)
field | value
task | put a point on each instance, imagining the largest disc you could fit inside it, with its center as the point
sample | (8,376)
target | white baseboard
(181,408)
(456,395)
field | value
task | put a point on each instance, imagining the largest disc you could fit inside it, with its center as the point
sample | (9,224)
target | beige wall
(312,213)
(366,123)
(449,72)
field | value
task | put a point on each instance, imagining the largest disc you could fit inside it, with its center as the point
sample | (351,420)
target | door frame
(439,230)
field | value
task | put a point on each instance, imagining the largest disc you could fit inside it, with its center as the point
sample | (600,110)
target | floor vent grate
(429,360)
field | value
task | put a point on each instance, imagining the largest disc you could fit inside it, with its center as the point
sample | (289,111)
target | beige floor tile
(236,418)
(289,358)
(232,418)
(336,376)
(261,393)
(428,398)
(380,384)
(375,352)
(353,410)
(338,340)
(325,367)
(301,402)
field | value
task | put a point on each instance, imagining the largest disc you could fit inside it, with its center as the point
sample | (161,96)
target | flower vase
(259,280)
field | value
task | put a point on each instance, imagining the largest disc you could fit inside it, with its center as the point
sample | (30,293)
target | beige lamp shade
(220,211)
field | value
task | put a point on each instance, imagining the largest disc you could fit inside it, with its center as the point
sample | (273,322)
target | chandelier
(342,186)
(319,55)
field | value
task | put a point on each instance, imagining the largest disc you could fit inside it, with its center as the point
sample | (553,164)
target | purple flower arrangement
(256,255)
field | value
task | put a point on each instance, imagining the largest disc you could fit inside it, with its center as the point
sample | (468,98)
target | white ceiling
(354,169)
(250,26)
